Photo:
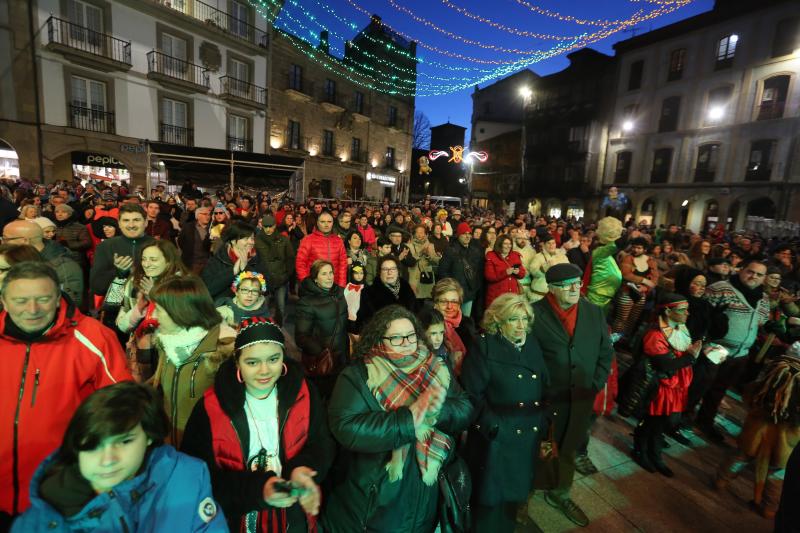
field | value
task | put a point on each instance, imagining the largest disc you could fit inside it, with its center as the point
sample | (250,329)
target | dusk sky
(493,53)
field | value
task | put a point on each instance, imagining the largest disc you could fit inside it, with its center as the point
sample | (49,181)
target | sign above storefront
(96,160)
(385,179)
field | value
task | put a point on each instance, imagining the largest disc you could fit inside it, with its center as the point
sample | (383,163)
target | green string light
(368,76)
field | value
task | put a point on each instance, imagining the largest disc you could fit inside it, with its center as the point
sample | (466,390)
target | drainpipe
(37,107)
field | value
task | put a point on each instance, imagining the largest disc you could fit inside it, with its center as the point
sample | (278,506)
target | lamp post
(526,93)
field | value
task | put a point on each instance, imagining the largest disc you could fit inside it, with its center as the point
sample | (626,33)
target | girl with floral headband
(248,300)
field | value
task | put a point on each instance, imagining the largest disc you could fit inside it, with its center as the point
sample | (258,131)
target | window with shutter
(175,49)
(87,25)
(239,17)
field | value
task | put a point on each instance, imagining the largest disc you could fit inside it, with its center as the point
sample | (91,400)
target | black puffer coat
(321,322)
(364,499)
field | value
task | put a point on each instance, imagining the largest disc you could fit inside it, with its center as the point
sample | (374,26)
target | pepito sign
(96,160)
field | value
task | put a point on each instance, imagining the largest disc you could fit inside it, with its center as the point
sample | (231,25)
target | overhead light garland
(396,79)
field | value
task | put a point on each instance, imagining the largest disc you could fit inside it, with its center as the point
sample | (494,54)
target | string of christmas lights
(431,25)
(603,33)
(353,26)
(428,89)
(406,55)
(522,33)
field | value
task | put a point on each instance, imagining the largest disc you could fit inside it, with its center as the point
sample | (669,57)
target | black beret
(562,272)
(258,329)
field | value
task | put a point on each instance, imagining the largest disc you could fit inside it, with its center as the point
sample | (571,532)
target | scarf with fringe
(397,380)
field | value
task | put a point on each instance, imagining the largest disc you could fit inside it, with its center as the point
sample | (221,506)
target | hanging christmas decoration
(412,75)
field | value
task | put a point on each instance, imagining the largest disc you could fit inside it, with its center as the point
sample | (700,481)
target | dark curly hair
(375,329)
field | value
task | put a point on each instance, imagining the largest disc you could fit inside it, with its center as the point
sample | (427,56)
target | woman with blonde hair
(505,377)
(29,212)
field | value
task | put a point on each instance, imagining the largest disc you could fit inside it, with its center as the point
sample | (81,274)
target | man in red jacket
(323,243)
(51,358)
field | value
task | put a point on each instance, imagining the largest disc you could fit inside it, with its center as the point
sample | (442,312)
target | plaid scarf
(396,381)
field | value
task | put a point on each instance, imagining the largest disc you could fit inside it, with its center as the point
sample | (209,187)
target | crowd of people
(439,367)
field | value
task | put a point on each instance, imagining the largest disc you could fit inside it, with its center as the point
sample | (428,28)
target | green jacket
(364,499)
(276,257)
(578,369)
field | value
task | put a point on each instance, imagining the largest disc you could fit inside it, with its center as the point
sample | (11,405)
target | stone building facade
(356,141)
(706,121)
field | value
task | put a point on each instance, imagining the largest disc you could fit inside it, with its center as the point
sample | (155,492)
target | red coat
(41,386)
(368,236)
(673,392)
(228,448)
(500,282)
(318,246)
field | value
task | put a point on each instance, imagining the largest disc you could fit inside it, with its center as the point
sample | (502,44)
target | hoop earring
(285,370)
(239,376)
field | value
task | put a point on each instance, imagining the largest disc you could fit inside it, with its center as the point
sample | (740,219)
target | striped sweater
(743,320)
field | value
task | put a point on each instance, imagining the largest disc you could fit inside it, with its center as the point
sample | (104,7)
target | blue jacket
(172,494)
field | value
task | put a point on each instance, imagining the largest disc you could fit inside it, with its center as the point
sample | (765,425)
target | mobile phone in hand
(289,488)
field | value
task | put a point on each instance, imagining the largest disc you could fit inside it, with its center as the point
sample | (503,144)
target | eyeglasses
(389,269)
(568,286)
(254,292)
(219,213)
(448,302)
(397,340)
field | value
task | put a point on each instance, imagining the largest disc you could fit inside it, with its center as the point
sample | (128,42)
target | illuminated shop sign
(385,179)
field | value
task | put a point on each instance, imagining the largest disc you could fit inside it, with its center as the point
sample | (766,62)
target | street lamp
(525,92)
(716,112)
(627,126)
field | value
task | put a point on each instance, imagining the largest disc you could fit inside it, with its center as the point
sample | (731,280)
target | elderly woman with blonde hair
(505,377)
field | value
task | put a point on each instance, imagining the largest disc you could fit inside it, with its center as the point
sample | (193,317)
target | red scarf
(567,317)
(453,341)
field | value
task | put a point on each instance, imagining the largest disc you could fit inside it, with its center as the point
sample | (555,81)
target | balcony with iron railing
(659,175)
(771,109)
(238,144)
(296,143)
(85,118)
(359,156)
(330,101)
(758,173)
(242,92)
(216,18)
(83,45)
(704,175)
(178,73)
(299,88)
(171,134)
